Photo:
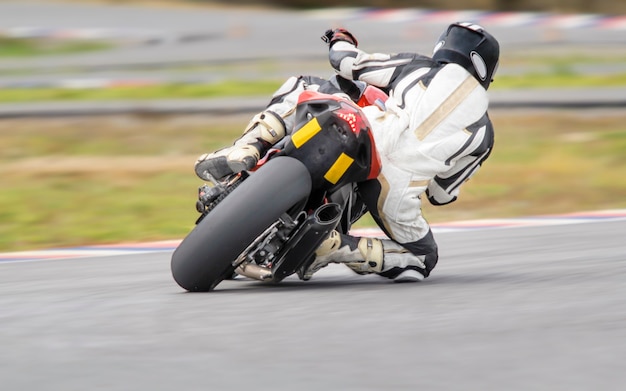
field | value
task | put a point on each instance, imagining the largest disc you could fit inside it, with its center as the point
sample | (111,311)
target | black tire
(203,259)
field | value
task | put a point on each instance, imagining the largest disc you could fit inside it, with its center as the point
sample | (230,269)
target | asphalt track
(541,308)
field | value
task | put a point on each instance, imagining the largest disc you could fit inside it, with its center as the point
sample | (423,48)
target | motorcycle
(267,223)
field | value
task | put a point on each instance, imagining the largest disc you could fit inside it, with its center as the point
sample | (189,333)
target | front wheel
(204,258)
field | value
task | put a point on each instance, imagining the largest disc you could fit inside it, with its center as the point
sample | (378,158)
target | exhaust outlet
(324,216)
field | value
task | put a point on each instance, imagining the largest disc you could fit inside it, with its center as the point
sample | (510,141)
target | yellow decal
(305,133)
(338,168)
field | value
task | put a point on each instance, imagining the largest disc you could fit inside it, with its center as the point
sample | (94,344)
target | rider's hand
(336,35)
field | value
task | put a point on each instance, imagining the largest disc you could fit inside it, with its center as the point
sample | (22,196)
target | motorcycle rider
(432,134)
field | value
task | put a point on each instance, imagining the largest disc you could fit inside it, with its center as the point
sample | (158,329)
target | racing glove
(339,34)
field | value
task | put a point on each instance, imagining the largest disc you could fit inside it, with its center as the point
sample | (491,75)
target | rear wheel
(204,258)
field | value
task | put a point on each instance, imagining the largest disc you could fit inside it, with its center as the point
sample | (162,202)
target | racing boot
(368,255)
(264,130)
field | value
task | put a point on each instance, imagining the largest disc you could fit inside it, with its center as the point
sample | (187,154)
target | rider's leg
(373,255)
(264,130)
(268,127)
(393,200)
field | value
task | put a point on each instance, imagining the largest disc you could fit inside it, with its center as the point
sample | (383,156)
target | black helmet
(470,46)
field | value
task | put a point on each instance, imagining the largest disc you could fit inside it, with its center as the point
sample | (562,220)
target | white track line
(170,245)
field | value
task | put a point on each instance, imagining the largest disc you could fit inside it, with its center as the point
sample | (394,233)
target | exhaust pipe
(300,249)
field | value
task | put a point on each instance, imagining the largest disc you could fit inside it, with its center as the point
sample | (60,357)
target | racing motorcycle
(266,223)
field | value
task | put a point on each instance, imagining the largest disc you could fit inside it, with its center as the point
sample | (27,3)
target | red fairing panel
(355,117)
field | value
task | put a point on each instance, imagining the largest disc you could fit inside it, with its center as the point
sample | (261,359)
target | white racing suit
(432,136)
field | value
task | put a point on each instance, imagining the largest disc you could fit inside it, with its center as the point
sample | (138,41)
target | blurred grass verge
(79,181)
(226,88)
(27,47)
(229,88)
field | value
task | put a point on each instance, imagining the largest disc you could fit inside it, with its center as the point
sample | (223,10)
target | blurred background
(105,105)
(574,6)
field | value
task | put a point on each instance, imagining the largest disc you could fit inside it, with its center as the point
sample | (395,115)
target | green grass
(229,88)
(167,91)
(559,78)
(22,47)
(68,182)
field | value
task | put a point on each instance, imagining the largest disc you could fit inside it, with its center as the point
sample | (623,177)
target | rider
(432,134)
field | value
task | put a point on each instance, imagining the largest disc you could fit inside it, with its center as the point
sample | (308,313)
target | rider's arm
(444,188)
(377,69)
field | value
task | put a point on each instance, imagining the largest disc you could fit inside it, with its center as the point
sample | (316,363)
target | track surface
(540,308)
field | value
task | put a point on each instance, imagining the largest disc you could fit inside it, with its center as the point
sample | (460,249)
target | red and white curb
(89,251)
(170,245)
(391,15)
